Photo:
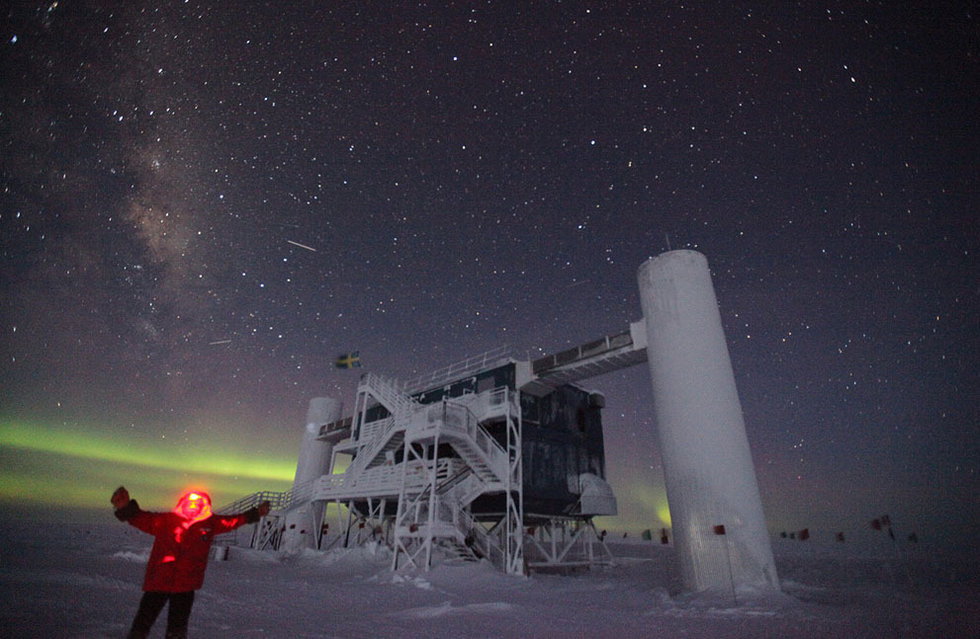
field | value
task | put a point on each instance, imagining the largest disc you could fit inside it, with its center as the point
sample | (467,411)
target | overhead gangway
(598,357)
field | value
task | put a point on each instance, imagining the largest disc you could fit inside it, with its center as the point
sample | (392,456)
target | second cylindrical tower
(315,455)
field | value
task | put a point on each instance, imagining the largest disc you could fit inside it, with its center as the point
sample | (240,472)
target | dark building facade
(561,439)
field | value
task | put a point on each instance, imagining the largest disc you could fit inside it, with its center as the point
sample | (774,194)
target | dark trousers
(177,617)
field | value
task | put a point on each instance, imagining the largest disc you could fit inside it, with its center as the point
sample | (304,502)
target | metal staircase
(385,392)
(436,514)
(434,460)
(455,424)
(380,436)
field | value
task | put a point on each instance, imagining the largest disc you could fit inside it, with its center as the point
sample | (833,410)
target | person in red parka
(182,540)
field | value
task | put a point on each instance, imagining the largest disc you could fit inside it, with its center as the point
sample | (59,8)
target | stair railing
(459,418)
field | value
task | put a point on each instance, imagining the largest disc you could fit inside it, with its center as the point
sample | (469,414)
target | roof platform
(489,359)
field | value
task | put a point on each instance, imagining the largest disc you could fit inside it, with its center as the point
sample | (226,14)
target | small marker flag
(348,360)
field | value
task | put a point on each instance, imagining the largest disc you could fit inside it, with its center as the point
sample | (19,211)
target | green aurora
(44,465)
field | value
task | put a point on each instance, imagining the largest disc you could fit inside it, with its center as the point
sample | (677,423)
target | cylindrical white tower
(314,454)
(314,461)
(720,533)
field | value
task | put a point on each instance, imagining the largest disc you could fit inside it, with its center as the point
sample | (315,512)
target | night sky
(203,204)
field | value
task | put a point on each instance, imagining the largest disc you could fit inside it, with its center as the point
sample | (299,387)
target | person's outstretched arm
(129,511)
(126,508)
(250,516)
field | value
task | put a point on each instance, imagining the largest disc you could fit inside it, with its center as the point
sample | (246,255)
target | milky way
(203,206)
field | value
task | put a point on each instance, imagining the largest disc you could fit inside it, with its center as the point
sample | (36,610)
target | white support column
(719,527)
(514,517)
(314,461)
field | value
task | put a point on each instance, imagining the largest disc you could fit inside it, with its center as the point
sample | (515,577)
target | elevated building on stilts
(503,459)
(490,458)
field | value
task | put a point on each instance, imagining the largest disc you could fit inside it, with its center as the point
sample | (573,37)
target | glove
(120,498)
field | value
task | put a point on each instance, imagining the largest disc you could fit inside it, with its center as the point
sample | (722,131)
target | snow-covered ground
(83,580)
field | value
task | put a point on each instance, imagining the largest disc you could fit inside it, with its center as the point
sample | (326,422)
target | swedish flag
(348,360)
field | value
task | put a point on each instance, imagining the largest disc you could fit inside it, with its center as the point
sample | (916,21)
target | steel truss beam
(565,543)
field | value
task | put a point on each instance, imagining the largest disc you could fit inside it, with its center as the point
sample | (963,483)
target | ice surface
(75,580)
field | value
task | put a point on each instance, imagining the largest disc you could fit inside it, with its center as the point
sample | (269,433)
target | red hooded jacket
(180,555)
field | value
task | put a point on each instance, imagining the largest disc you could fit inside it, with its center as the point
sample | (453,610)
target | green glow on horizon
(49,468)
(169,456)
(641,504)
(40,491)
